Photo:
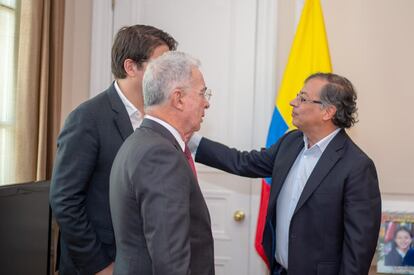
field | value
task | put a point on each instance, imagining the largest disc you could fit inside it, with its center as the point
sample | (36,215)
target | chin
(294,123)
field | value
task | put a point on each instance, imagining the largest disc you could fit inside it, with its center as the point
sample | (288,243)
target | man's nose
(294,102)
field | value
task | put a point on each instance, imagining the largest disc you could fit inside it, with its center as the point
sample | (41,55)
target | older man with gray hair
(161,221)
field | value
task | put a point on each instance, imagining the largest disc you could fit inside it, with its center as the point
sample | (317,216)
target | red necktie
(190,160)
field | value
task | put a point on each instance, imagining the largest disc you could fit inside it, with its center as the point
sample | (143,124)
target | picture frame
(396,243)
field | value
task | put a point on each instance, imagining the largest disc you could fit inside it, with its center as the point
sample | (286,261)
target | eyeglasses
(301,99)
(207,93)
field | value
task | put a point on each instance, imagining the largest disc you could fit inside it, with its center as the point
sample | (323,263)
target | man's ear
(177,99)
(330,112)
(131,67)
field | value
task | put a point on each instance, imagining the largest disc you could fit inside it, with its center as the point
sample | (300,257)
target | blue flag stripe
(278,128)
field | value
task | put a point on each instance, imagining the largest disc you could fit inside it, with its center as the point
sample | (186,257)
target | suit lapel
(121,117)
(329,158)
(281,170)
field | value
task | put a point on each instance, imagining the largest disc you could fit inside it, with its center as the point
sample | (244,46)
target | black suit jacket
(335,225)
(79,194)
(161,221)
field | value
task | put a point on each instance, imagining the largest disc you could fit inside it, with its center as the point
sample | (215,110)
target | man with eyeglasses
(161,221)
(324,209)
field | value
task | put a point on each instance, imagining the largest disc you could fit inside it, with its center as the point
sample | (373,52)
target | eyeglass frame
(207,93)
(299,97)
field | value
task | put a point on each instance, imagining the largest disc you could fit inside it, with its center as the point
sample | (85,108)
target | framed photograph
(396,243)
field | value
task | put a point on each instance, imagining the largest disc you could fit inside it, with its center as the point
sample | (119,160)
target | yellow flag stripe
(309,54)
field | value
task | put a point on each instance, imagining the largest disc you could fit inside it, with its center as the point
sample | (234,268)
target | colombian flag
(309,54)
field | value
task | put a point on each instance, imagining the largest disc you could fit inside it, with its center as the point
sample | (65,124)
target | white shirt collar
(402,254)
(172,130)
(131,109)
(323,143)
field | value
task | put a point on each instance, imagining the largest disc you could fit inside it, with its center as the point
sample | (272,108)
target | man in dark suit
(161,221)
(87,146)
(324,209)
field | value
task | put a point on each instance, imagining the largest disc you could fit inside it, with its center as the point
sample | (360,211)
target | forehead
(197,77)
(158,51)
(313,86)
(403,233)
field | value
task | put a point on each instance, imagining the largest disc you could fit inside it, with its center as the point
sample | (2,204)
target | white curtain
(8,37)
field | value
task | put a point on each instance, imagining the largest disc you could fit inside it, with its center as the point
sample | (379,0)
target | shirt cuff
(193,143)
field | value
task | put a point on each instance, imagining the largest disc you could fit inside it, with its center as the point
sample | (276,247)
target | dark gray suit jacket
(161,221)
(79,191)
(335,225)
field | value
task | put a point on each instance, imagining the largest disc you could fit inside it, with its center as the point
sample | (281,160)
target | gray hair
(338,92)
(163,74)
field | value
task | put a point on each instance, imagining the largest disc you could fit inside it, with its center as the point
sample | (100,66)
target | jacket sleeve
(75,162)
(362,217)
(253,164)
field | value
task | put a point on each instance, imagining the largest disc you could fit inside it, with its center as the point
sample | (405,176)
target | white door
(222,34)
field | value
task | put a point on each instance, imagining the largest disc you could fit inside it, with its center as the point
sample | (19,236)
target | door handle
(239,216)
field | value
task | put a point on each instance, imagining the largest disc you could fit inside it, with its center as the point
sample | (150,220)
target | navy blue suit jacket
(335,225)
(79,194)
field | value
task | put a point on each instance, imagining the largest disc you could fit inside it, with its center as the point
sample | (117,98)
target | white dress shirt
(291,191)
(134,114)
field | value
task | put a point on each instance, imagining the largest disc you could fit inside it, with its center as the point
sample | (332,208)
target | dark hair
(137,43)
(340,93)
(402,228)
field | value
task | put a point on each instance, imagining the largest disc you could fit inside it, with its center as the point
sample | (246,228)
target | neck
(316,134)
(170,117)
(133,92)
(403,250)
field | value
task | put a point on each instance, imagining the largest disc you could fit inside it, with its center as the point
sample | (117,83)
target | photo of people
(401,253)
(396,243)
